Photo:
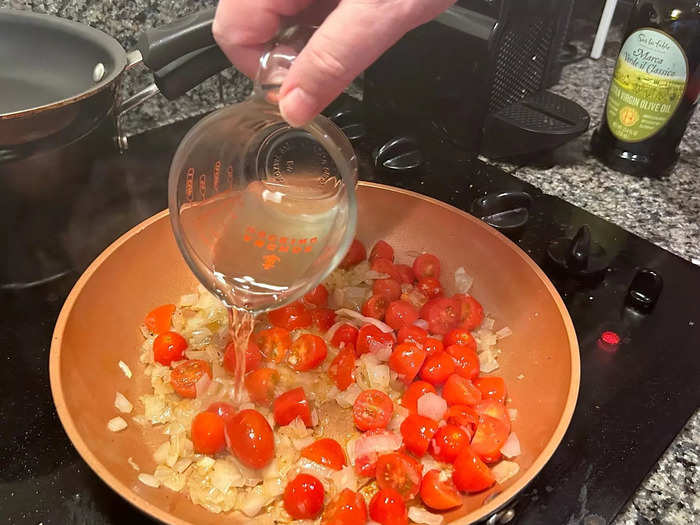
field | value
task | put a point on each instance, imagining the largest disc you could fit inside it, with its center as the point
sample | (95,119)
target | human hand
(352,34)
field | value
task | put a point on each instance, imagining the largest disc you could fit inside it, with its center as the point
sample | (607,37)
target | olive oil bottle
(654,90)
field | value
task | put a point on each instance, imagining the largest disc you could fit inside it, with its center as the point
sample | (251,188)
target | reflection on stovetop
(635,394)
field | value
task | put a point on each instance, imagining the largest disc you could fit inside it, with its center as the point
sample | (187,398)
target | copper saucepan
(98,326)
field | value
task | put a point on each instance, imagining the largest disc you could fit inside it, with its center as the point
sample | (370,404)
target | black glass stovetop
(633,399)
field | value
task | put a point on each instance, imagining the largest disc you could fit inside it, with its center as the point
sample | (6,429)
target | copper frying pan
(97,327)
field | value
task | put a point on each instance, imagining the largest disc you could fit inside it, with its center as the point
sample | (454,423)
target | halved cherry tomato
(169,347)
(493,408)
(375,307)
(190,376)
(346,333)
(307,352)
(322,318)
(372,409)
(470,473)
(223,410)
(414,391)
(442,314)
(341,368)
(438,491)
(417,431)
(382,250)
(388,508)
(303,497)
(208,433)
(400,472)
(492,388)
(460,336)
(406,273)
(430,287)
(388,288)
(448,442)
(370,336)
(387,267)
(290,405)
(400,313)
(356,254)
(412,334)
(317,297)
(158,320)
(274,343)
(471,312)
(349,508)
(326,452)
(366,465)
(406,360)
(253,357)
(490,435)
(249,437)
(459,390)
(261,384)
(433,346)
(291,317)
(426,265)
(437,368)
(466,359)
(463,416)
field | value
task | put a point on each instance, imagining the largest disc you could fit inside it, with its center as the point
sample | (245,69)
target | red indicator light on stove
(609,341)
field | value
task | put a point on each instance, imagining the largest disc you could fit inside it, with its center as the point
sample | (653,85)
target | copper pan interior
(98,326)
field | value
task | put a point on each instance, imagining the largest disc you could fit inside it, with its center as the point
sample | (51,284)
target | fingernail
(298,107)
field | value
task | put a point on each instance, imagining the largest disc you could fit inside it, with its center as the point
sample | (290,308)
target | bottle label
(648,84)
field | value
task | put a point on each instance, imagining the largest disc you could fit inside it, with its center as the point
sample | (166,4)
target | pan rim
(144,505)
(109,43)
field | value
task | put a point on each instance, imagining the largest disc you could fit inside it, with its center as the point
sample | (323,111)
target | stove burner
(580,256)
(644,290)
(508,212)
(400,154)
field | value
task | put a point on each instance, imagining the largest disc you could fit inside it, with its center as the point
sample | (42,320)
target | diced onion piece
(420,515)
(505,470)
(512,413)
(116,424)
(253,502)
(125,368)
(487,362)
(381,351)
(372,274)
(432,405)
(421,323)
(161,453)
(123,404)
(488,323)
(189,299)
(149,480)
(368,320)
(463,281)
(225,475)
(206,463)
(377,443)
(344,478)
(400,413)
(504,332)
(511,447)
(133,464)
(429,463)
(315,469)
(202,385)
(347,397)
(378,375)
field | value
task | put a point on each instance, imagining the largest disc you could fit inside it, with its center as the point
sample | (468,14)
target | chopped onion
(315,469)
(511,447)
(206,463)
(369,320)
(149,480)
(379,350)
(125,368)
(463,281)
(372,275)
(377,443)
(161,453)
(189,299)
(504,332)
(421,323)
(252,502)
(400,413)
(123,404)
(487,362)
(420,515)
(513,413)
(488,323)
(348,396)
(225,475)
(378,376)
(505,470)
(116,424)
(133,464)
(432,405)
(202,385)
(344,478)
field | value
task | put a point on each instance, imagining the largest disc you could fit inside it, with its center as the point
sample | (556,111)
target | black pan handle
(186,72)
(162,45)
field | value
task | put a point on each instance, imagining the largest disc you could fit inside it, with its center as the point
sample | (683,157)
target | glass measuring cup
(263,212)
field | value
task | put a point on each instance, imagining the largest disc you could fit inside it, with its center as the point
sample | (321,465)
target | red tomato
(417,431)
(493,408)
(370,336)
(349,508)
(223,410)
(438,493)
(471,312)
(470,473)
(318,296)
(208,433)
(346,333)
(372,409)
(326,452)
(463,416)
(412,334)
(253,357)
(490,435)
(460,336)
(290,405)
(322,318)
(441,313)
(414,391)
(303,497)
(249,437)
(406,273)
(307,352)
(382,250)
(448,442)
(400,314)
(158,320)
(375,307)
(261,384)
(426,265)
(399,472)
(459,390)
(340,370)
(492,388)
(189,376)
(388,508)
(387,288)
(356,254)
(291,317)
(430,287)
(366,465)
(274,343)
(437,368)
(466,359)
(387,267)
(433,346)
(169,347)
(406,360)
